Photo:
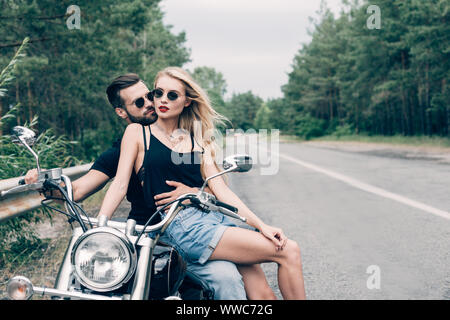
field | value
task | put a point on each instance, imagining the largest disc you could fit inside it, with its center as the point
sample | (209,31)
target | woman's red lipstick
(163,109)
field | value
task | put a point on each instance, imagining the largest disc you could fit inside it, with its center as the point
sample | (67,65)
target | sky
(251,42)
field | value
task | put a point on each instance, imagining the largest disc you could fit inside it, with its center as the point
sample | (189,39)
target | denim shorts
(195,233)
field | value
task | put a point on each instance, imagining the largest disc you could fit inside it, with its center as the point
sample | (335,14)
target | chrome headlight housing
(103,258)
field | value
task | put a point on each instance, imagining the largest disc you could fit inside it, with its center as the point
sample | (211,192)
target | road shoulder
(432,153)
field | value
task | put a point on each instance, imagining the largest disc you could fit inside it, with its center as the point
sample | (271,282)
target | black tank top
(161,164)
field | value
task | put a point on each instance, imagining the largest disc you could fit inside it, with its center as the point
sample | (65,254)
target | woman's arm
(225,194)
(128,153)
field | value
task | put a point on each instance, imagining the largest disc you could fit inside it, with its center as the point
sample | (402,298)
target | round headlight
(103,258)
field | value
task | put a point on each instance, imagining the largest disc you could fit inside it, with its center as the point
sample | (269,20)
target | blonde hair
(199,118)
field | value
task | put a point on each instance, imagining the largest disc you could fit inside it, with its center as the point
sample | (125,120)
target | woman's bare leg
(255,282)
(243,246)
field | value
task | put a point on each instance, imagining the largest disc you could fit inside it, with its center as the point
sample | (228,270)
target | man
(131,101)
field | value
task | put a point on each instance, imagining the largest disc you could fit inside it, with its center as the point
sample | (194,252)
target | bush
(309,127)
(343,130)
(263,117)
(17,235)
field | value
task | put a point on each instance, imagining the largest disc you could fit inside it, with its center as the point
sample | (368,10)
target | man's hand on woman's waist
(180,189)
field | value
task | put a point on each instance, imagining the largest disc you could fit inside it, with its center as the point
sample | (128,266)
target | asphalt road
(370,225)
(354,211)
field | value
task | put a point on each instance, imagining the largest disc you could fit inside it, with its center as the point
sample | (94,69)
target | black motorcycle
(118,260)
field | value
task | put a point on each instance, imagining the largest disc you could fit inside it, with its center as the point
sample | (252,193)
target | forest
(350,78)
(388,81)
(63,76)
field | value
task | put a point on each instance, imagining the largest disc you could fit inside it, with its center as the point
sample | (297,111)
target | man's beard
(145,121)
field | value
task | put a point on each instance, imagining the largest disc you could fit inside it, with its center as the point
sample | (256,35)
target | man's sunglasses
(171,95)
(141,101)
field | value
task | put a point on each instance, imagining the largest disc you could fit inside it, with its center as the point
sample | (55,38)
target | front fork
(143,274)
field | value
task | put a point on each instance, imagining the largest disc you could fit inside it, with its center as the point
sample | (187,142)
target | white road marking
(369,188)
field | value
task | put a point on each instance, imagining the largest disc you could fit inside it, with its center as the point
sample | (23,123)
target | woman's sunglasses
(171,95)
(141,101)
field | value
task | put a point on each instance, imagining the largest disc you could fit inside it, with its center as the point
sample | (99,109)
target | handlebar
(51,181)
(226,206)
(22,188)
(51,174)
(210,203)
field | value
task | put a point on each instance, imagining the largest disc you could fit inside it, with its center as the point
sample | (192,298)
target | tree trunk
(330,99)
(330,105)
(406,129)
(336,99)
(30,101)
(427,101)
(1,114)
(412,115)
(18,101)
(444,94)
(421,108)
(389,125)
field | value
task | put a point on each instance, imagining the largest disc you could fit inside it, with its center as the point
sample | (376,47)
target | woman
(199,236)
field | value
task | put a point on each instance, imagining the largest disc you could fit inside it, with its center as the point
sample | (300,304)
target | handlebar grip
(227,206)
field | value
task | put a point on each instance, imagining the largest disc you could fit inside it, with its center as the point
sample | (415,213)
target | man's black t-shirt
(108,163)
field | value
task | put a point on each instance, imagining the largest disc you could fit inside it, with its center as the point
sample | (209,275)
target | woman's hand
(276,235)
(180,189)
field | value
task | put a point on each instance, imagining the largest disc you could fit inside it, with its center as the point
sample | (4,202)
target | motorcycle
(116,260)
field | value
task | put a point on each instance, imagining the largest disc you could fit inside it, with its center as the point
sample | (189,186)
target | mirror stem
(216,175)
(34,154)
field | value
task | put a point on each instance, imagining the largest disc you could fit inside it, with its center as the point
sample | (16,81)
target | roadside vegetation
(397,140)
(417,141)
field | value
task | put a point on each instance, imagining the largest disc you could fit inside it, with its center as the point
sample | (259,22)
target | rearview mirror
(235,163)
(26,137)
(22,135)
(242,163)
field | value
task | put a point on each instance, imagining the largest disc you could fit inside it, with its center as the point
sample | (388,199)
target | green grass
(419,141)
(39,263)
(397,139)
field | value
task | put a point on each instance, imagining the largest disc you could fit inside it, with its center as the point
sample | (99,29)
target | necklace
(174,138)
(164,132)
